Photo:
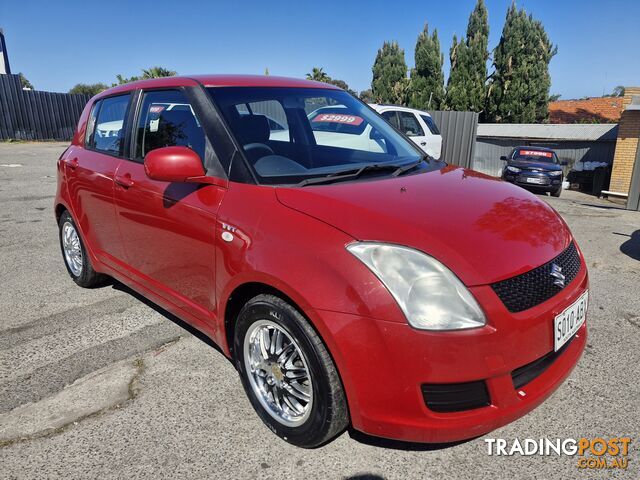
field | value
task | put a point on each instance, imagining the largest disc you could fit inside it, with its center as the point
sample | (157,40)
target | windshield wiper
(356,172)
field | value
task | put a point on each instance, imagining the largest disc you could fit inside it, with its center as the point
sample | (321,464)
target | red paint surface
(164,240)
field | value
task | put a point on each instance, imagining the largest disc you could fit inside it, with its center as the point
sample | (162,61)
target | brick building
(627,143)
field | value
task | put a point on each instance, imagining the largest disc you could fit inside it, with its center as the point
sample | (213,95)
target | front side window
(409,125)
(318,132)
(167,119)
(109,135)
(392,118)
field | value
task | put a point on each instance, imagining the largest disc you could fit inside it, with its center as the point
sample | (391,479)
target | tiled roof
(598,109)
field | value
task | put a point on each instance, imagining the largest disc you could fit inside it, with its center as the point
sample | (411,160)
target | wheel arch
(59,209)
(246,291)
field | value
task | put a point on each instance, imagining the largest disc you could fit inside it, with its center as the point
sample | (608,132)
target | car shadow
(631,248)
(121,287)
(399,444)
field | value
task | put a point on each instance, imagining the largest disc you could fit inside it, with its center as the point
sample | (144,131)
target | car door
(90,173)
(433,136)
(412,128)
(168,229)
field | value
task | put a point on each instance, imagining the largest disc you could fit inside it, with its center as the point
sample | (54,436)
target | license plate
(569,321)
(534,180)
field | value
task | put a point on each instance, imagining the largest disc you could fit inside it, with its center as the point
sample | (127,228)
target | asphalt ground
(100,383)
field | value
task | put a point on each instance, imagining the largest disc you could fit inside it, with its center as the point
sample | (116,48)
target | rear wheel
(75,255)
(288,373)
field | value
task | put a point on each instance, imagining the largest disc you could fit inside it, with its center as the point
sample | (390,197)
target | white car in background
(415,124)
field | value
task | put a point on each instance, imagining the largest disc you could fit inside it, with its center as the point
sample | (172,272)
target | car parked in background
(375,288)
(537,168)
(415,124)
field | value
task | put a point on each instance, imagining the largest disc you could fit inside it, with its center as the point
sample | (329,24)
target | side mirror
(503,157)
(174,164)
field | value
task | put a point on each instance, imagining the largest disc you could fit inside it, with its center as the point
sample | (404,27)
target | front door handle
(124,181)
(423,143)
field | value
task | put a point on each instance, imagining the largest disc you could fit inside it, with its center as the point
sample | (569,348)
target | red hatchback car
(351,279)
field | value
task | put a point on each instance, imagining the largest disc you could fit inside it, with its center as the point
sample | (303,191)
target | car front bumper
(384,364)
(547,182)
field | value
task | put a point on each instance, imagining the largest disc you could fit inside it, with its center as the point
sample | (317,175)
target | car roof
(218,81)
(388,106)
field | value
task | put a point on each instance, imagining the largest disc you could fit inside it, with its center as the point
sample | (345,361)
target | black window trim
(417,122)
(125,124)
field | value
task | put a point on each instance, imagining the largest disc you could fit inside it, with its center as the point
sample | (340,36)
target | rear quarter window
(108,133)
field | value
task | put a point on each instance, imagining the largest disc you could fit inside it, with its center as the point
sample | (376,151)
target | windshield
(293,134)
(540,156)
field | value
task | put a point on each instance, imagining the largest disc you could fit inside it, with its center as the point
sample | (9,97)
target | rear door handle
(124,181)
(423,143)
(72,164)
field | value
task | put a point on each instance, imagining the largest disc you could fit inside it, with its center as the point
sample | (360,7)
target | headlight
(514,169)
(429,294)
(555,173)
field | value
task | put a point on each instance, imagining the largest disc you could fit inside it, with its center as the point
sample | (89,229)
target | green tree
(152,72)
(519,86)
(266,71)
(157,72)
(388,69)
(88,89)
(466,87)
(427,78)
(367,96)
(24,82)
(319,75)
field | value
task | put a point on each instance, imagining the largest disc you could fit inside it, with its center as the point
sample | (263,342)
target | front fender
(305,258)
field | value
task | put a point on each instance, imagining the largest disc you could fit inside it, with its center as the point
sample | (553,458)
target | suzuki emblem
(558,277)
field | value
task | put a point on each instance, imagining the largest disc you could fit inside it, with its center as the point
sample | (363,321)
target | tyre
(75,255)
(556,192)
(288,373)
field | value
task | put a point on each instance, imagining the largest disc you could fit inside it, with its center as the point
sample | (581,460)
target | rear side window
(108,135)
(166,120)
(433,128)
(409,125)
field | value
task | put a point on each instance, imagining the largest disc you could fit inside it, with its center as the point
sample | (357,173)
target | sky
(58,44)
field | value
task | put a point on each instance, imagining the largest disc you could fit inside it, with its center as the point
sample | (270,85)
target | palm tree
(157,72)
(318,75)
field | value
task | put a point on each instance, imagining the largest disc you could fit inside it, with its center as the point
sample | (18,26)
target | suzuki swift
(357,284)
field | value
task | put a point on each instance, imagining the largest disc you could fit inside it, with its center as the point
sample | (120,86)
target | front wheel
(556,192)
(288,373)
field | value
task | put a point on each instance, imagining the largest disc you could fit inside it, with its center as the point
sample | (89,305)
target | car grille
(542,179)
(536,286)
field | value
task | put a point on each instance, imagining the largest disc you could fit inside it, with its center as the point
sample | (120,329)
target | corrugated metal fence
(458,131)
(35,115)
